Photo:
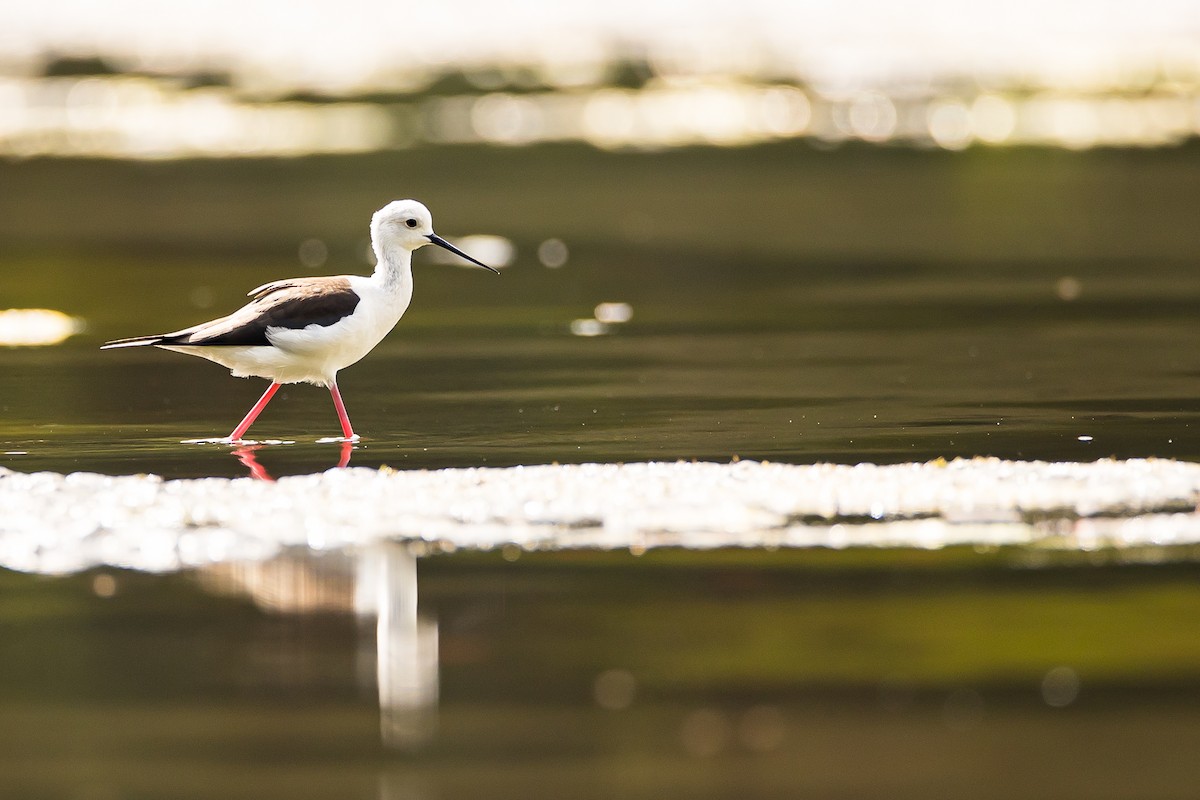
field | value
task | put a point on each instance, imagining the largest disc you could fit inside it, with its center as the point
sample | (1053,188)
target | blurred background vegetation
(796,131)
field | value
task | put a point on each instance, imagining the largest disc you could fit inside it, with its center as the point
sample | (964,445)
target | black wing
(292,303)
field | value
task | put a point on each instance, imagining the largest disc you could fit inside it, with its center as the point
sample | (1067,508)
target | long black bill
(440,242)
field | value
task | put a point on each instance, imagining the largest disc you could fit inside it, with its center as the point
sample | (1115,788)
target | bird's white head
(407,225)
(402,223)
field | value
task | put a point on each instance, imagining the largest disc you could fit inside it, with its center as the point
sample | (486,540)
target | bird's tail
(136,341)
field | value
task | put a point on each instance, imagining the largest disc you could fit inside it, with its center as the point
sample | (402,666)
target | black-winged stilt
(303,330)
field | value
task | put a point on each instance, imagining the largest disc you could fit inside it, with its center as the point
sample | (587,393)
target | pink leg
(245,424)
(343,417)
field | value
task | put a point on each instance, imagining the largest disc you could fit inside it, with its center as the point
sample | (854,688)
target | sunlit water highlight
(36,327)
(56,523)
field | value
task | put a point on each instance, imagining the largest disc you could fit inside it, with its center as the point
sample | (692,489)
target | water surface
(789,305)
(592,675)
(794,362)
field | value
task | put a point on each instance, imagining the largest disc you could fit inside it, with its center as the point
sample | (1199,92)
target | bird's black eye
(410,222)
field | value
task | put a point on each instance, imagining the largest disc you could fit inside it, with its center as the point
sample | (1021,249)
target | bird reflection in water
(379,585)
(245,454)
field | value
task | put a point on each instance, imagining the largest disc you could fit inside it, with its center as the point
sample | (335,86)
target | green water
(792,305)
(745,675)
(863,304)
(848,362)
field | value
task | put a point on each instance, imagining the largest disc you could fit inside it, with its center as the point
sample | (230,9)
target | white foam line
(53,523)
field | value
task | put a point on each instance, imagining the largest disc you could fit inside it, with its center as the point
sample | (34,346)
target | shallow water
(737,674)
(1011,672)
(766,326)
(865,304)
(854,363)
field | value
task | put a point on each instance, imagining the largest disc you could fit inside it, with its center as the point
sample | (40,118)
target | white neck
(393,267)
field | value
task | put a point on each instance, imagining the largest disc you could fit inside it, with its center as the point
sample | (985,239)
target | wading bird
(304,330)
